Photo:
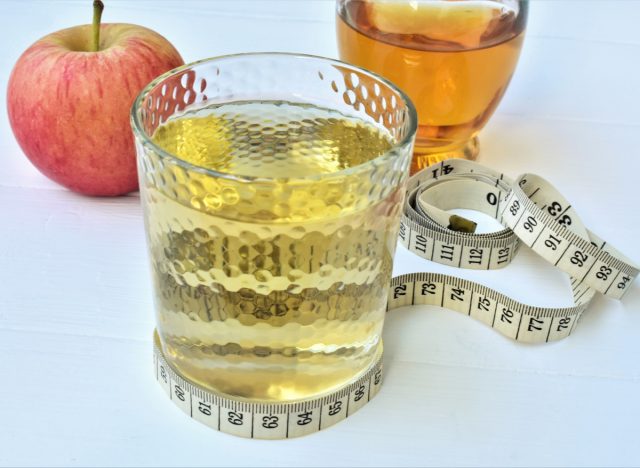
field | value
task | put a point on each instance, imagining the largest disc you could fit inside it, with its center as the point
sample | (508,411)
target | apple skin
(69,107)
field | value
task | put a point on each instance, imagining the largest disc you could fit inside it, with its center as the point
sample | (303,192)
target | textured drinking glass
(453,58)
(272,186)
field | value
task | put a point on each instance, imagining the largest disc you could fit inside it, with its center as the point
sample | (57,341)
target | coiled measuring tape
(533,213)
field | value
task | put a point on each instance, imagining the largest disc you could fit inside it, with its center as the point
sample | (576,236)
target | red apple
(69,102)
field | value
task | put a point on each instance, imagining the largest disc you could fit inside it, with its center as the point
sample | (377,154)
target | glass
(272,186)
(453,58)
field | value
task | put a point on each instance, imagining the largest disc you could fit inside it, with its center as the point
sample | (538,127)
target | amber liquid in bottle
(453,59)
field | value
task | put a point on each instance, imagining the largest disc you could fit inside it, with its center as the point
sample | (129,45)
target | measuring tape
(533,213)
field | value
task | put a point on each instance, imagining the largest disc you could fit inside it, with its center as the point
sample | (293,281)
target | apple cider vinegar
(274,290)
(453,58)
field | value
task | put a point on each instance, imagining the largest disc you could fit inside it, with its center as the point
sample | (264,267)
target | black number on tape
(552,242)
(604,273)
(179,392)
(530,223)
(484,303)
(533,324)
(563,323)
(235,418)
(492,198)
(515,206)
(457,294)
(399,291)
(475,256)
(359,393)
(446,252)
(554,209)
(377,377)
(579,258)
(623,284)
(204,408)
(304,418)
(503,255)
(506,316)
(270,422)
(446,169)
(421,243)
(565,220)
(403,232)
(163,374)
(335,408)
(428,288)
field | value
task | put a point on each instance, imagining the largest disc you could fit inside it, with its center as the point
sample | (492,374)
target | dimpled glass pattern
(273,289)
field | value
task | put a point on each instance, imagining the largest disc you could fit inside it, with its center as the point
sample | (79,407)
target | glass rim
(141,134)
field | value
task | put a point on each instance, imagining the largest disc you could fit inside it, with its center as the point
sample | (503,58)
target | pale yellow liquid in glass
(264,300)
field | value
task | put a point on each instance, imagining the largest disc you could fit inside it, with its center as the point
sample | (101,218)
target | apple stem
(98,7)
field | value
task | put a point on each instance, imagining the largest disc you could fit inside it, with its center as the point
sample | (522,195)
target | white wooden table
(75,301)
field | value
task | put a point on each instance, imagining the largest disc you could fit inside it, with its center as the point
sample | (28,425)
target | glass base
(264,382)
(425,155)
(265,419)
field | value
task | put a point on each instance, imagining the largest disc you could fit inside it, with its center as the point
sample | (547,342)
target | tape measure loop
(532,212)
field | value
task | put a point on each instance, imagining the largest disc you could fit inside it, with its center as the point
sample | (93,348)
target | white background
(76,386)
